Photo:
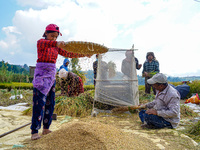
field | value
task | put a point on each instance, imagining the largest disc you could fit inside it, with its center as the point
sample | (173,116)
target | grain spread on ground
(122,132)
(92,135)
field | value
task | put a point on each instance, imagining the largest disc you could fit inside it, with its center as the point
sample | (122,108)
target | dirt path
(102,132)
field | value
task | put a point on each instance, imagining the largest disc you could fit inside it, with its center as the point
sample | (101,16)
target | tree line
(17,73)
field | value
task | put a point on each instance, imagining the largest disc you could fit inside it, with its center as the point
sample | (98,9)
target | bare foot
(46,131)
(35,136)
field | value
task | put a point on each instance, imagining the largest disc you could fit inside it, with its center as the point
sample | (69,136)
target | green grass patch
(193,131)
(186,111)
(5,97)
(88,87)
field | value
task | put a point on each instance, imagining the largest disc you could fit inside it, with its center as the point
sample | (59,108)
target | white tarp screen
(116,82)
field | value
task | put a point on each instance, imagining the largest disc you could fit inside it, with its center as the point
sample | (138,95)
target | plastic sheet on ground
(19,107)
(194,107)
(12,119)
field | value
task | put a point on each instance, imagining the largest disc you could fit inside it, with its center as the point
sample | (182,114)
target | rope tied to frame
(92,48)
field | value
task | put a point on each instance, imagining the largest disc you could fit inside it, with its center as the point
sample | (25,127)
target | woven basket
(85,47)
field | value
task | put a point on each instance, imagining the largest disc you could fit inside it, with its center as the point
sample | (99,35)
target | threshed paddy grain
(90,136)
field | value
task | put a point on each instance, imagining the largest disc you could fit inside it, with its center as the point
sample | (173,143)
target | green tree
(76,68)
(5,75)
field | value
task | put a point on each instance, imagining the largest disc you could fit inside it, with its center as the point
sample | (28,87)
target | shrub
(17,85)
(88,87)
(141,87)
(176,83)
(20,85)
(194,87)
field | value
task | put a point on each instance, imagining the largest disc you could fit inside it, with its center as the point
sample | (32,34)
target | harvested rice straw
(125,108)
(85,47)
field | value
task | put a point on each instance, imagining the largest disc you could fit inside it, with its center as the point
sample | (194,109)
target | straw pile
(90,136)
(85,47)
(121,109)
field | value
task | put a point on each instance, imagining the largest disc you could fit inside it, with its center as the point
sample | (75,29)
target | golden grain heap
(89,136)
(85,47)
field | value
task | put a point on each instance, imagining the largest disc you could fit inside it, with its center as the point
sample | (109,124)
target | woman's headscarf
(64,64)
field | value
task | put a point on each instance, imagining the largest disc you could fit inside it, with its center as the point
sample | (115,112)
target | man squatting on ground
(164,111)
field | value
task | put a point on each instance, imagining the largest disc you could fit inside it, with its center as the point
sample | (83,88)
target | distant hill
(141,81)
(15,68)
(192,78)
(89,77)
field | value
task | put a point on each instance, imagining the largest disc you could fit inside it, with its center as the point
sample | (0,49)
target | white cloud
(3,45)
(10,43)
(10,29)
(173,39)
(40,3)
(169,28)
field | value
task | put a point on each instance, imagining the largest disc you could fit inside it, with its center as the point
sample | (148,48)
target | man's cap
(157,78)
(53,27)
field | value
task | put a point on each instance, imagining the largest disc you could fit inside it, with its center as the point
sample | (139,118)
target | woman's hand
(88,55)
(61,44)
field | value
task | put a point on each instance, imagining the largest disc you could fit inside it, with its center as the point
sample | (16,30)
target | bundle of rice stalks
(186,111)
(27,112)
(74,106)
(79,106)
(194,131)
(85,47)
(125,108)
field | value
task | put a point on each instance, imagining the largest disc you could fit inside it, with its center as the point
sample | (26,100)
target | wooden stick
(125,108)
(2,135)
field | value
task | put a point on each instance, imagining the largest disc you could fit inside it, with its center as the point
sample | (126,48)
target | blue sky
(7,11)
(169,28)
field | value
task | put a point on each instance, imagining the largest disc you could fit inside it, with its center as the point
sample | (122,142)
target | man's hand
(151,111)
(142,106)
(89,55)
(139,66)
(146,74)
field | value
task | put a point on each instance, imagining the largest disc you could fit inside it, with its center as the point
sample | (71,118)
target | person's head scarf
(64,64)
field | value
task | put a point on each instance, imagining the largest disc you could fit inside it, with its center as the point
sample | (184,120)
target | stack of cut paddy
(85,47)
(124,108)
(90,136)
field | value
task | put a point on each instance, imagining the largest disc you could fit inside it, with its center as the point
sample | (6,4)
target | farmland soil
(104,132)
